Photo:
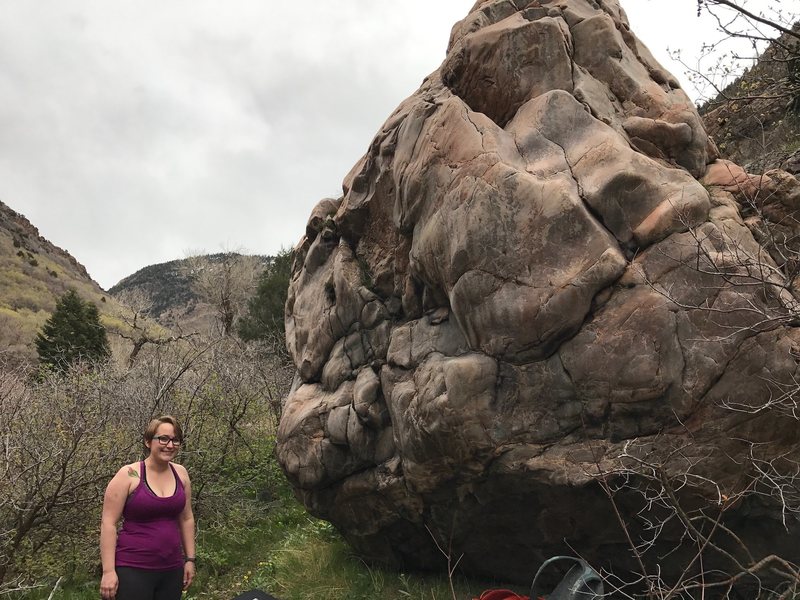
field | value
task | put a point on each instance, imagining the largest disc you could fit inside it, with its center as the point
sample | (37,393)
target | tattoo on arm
(132,473)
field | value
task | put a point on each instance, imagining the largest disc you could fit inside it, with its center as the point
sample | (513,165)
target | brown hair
(150,432)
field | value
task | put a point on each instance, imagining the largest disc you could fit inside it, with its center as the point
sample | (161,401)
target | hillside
(165,291)
(34,273)
(753,120)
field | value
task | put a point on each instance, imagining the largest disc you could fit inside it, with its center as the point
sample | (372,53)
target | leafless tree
(754,259)
(63,436)
(745,30)
(140,329)
(738,274)
(747,77)
(225,282)
(682,511)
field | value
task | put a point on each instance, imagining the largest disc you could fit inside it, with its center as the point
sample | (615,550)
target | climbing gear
(581,582)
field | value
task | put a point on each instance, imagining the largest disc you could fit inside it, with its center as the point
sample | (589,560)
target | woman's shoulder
(130,471)
(126,478)
(181,471)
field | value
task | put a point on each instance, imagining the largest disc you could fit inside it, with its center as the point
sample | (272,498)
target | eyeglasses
(165,439)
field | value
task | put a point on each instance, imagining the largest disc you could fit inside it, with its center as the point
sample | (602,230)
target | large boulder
(526,301)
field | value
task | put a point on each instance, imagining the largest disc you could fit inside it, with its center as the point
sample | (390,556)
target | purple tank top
(150,537)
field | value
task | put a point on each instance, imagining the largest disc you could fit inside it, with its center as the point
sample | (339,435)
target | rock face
(525,279)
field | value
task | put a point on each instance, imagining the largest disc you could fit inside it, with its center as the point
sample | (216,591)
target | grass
(289,554)
(277,547)
(252,533)
(306,559)
(332,571)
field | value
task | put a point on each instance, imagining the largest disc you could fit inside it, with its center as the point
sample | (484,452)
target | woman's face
(158,450)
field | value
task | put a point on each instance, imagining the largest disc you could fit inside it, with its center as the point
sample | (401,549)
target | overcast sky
(136,132)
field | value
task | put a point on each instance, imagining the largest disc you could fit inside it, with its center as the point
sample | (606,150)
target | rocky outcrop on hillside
(27,240)
(540,273)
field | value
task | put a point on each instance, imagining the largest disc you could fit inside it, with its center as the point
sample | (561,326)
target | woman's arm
(186,522)
(113,503)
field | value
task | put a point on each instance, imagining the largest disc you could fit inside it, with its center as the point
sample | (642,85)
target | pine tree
(72,333)
(264,318)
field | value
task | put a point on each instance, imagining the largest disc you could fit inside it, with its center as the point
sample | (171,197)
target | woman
(154,556)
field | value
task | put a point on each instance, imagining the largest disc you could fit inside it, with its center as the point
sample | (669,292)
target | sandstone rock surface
(523,279)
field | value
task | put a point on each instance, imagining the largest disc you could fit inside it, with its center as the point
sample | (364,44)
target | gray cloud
(132,132)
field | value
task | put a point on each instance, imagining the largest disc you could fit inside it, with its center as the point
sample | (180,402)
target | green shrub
(73,333)
(251,531)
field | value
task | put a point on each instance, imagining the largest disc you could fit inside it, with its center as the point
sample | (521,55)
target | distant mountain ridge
(166,284)
(167,288)
(35,273)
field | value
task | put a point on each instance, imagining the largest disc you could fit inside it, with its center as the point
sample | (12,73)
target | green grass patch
(296,557)
(318,564)
(277,547)
(251,531)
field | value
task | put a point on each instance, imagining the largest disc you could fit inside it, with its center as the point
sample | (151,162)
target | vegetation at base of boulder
(72,334)
(65,433)
(277,547)
(87,422)
(314,562)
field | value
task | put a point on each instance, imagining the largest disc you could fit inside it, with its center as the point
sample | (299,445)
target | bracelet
(190,559)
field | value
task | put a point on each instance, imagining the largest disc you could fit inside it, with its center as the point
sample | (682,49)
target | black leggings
(141,584)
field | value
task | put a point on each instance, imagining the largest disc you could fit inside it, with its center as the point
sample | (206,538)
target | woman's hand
(108,585)
(188,574)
